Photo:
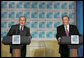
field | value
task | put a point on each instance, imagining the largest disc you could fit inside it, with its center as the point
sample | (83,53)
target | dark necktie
(67,32)
(21,31)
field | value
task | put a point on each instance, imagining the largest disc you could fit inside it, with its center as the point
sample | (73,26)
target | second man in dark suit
(65,30)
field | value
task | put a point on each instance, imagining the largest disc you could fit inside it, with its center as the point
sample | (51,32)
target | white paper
(74,39)
(16,39)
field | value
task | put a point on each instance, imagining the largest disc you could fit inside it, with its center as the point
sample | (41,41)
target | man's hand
(59,39)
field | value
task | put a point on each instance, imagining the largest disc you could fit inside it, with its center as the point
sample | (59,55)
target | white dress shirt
(22,27)
(67,27)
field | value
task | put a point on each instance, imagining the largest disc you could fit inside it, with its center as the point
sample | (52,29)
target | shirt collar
(67,26)
(22,27)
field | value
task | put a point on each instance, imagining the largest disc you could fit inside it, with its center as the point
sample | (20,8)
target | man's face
(65,20)
(22,21)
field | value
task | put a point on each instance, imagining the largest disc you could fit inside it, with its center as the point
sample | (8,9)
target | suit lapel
(69,30)
(18,29)
(64,30)
(24,32)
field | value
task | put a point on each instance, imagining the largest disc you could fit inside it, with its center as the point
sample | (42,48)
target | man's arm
(28,34)
(58,33)
(58,36)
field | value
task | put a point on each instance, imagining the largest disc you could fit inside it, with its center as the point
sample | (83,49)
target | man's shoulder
(15,25)
(60,26)
(27,27)
(73,26)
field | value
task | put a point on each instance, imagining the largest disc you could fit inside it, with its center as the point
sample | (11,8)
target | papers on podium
(74,39)
(16,39)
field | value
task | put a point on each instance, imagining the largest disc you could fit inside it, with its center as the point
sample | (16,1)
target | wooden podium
(16,48)
(72,47)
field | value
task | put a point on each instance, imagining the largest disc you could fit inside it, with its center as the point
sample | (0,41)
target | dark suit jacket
(15,30)
(61,32)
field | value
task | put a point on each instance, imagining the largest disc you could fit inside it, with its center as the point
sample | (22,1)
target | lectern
(16,48)
(72,47)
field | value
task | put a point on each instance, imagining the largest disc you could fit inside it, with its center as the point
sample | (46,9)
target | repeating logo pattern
(43,17)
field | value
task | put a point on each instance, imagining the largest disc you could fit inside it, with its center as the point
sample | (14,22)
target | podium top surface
(67,40)
(7,40)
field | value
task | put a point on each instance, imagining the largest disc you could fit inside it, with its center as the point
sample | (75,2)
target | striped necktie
(67,32)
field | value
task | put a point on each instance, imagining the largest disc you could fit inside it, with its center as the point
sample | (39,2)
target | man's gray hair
(22,16)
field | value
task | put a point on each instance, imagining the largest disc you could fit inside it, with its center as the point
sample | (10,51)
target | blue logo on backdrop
(56,5)
(34,34)
(72,22)
(64,6)
(19,4)
(34,14)
(27,24)
(11,15)
(57,15)
(27,14)
(12,5)
(42,25)
(34,25)
(4,14)
(18,14)
(49,34)
(10,24)
(56,24)
(3,4)
(71,6)
(34,5)
(42,5)
(64,13)
(49,25)
(55,34)
(26,4)
(49,14)
(3,24)
(42,34)
(71,15)
(41,14)
(49,5)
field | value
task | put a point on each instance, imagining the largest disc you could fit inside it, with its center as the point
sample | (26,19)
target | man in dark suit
(65,30)
(20,29)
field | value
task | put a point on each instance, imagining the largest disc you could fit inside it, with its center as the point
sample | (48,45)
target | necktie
(21,31)
(67,32)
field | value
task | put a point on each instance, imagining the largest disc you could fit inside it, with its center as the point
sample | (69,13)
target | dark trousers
(64,51)
(64,54)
